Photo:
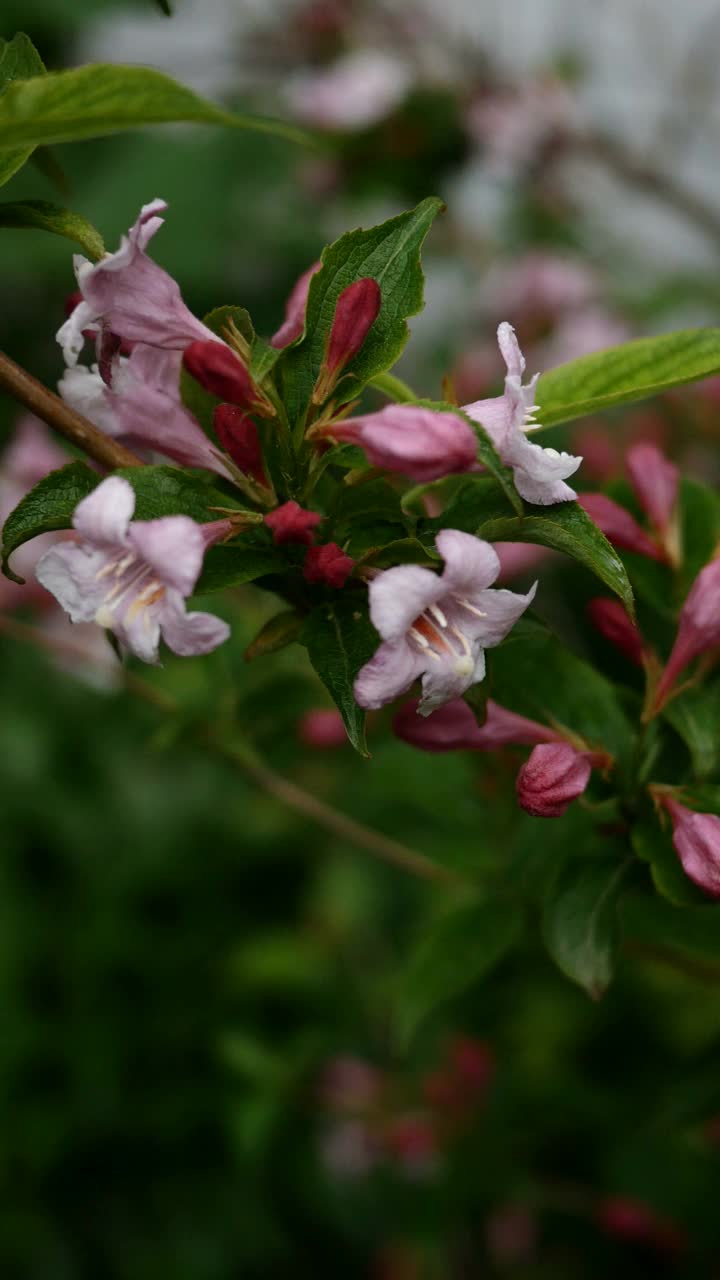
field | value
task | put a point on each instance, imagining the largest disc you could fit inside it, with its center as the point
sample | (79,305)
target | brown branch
(21,385)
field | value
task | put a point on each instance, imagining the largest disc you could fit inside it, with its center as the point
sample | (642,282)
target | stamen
(463,640)
(424,644)
(470,607)
(438,614)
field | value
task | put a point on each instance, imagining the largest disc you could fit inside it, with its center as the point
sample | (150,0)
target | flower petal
(389,673)
(510,350)
(84,390)
(138,629)
(538,472)
(174,547)
(495,415)
(105,514)
(398,596)
(70,572)
(471,564)
(502,610)
(190,634)
(444,681)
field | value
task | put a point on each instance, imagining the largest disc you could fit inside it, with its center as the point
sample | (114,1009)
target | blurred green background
(184,960)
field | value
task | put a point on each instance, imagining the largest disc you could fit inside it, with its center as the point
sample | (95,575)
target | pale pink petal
(470,564)
(190,634)
(398,596)
(104,516)
(502,610)
(139,631)
(69,571)
(539,473)
(388,674)
(84,390)
(174,547)
(294,321)
(444,681)
(495,415)
(510,350)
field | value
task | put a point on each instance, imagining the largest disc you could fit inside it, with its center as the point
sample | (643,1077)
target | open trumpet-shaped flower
(539,474)
(129,295)
(132,577)
(437,626)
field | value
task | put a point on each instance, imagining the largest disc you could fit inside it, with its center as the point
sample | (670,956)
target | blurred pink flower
(357,91)
(322,728)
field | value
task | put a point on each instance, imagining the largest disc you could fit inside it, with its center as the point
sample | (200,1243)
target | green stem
(394,388)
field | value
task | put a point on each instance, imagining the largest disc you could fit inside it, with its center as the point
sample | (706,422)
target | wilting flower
(698,628)
(619,526)
(437,626)
(453,727)
(554,775)
(413,441)
(329,564)
(132,577)
(292,523)
(129,295)
(539,473)
(143,407)
(294,321)
(696,837)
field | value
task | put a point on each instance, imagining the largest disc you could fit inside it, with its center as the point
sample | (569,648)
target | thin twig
(21,385)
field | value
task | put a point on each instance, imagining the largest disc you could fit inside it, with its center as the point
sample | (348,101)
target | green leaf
(390,254)
(653,843)
(695,716)
(580,922)
(168,491)
(533,674)
(91,101)
(487,453)
(232,564)
(394,388)
(49,166)
(455,953)
(340,639)
(666,929)
(164,5)
(42,216)
(277,634)
(634,371)
(48,506)
(366,516)
(478,507)
(19,60)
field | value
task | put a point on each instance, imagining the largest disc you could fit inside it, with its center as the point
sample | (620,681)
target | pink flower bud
(238,436)
(292,523)
(698,629)
(323,729)
(216,367)
(554,776)
(453,727)
(627,1219)
(696,837)
(416,442)
(655,481)
(411,1140)
(610,619)
(618,525)
(327,564)
(351,1084)
(356,312)
(294,321)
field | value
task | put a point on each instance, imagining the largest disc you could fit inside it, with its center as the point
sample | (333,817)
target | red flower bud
(627,1219)
(294,322)
(698,628)
(554,776)
(618,525)
(453,727)
(322,729)
(356,312)
(327,564)
(696,837)
(238,436)
(292,523)
(610,619)
(217,368)
(655,481)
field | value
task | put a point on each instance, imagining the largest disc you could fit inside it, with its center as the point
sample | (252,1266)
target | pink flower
(619,526)
(238,435)
(322,728)
(292,523)
(294,321)
(698,628)
(31,454)
(327,564)
(416,442)
(129,295)
(437,626)
(519,557)
(539,474)
(356,311)
(453,727)
(610,619)
(655,481)
(358,90)
(696,837)
(547,282)
(133,577)
(143,407)
(554,775)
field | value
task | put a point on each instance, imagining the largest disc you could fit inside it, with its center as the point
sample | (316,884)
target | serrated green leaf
(580,921)
(40,215)
(92,101)
(340,639)
(48,506)
(168,491)
(479,507)
(19,60)
(277,634)
(390,254)
(455,953)
(620,375)
(234,564)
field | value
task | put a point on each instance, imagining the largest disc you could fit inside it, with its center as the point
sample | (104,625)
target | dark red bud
(221,372)
(356,312)
(292,523)
(618,525)
(238,436)
(627,1219)
(328,564)
(554,775)
(610,619)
